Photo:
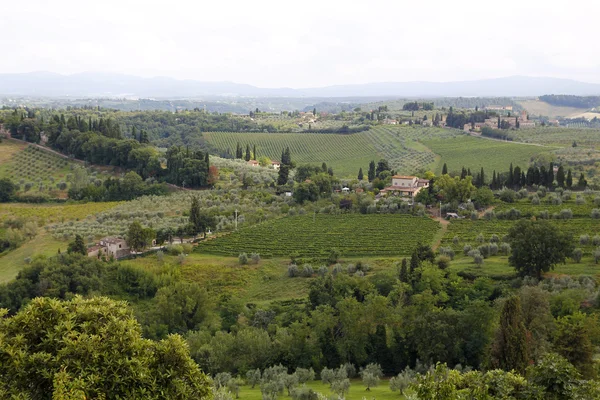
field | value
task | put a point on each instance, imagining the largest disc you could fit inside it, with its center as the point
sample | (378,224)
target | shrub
(443,262)
(480,238)
(535,200)
(494,238)
(160,256)
(474,216)
(174,249)
(455,240)
(187,248)
(576,255)
(255,257)
(596,255)
(596,240)
(508,195)
(566,214)
(584,239)
(504,249)
(293,271)
(478,260)
(448,252)
(489,215)
(243,258)
(595,213)
(493,249)
(307,270)
(467,249)
(484,250)
(323,270)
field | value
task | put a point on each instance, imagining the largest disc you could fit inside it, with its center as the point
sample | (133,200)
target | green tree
(582,183)
(248,155)
(91,348)
(194,218)
(360,174)
(77,246)
(7,190)
(572,340)
(560,177)
(138,238)
(509,350)
(371,173)
(569,180)
(445,169)
(537,247)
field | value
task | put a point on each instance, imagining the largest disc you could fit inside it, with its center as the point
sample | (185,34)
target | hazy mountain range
(118,85)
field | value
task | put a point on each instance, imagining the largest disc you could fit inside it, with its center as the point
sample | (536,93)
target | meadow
(316,235)
(541,108)
(474,153)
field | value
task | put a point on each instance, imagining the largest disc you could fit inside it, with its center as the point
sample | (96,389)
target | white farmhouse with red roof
(406,186)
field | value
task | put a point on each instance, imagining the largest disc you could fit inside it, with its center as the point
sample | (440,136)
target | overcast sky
(304,43)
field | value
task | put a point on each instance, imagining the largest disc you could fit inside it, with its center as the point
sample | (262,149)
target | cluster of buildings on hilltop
(519,121)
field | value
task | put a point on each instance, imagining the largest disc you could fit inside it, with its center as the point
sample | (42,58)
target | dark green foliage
(7,190)
(537,247)
(77,246)
(509,351)
(371,173)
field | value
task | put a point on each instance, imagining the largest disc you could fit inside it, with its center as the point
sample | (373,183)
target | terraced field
(344,153)
(316,235)
(474,153)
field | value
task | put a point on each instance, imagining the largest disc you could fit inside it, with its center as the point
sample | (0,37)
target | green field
(357,391)
(474,153)
(344,153)
(316,235)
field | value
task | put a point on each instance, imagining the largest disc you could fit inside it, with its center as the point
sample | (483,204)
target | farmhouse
(110,246)
(406,186)
(275,165)
(253,163)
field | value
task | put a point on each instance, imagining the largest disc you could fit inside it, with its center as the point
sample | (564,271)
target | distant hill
(118,85)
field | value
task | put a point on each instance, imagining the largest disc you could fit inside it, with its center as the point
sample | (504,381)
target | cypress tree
(550,178)
(360,174)
(445,169)
(481,178)
(404,271)
(247,158)
(463,173)
(254,152)
(560,177)
(324,167)
(371,173)
(517,176)
(509,181)
(582,181)
(569,180)
(509,350)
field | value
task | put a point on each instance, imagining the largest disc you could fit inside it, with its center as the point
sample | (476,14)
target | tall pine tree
(509,350)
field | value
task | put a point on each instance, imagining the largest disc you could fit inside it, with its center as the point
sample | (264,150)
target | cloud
(304,44)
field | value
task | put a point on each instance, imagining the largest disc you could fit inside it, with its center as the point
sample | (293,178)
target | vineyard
(344,153)
(474,153)
(581,208)
(468,231)
(559,136)
(316,235)
(400,146)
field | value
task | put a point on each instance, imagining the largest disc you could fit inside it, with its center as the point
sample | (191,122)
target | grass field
(357,391)
(316,235)
(8,148)
(12,262)
(541,108)
(344,153)
(474,153)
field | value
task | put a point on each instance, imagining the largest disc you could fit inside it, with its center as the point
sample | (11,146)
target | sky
(304,43)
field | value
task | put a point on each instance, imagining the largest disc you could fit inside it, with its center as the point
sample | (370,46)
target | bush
(307,270)
(508,195)
(243,258)
(478,260)
(493,249)
(566,214)
(504,249)
(480,238)
(484,250)
(596,240)
(494,238)
(595,213)
(448,252)
(187,248)
(255,257)
(443,262)
(467,249)
(323,270)
(455,240)
(293,271)
(474,216)
(584,239)
(175,249)
(576,255)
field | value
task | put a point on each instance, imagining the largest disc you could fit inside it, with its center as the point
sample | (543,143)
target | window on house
(119,246)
